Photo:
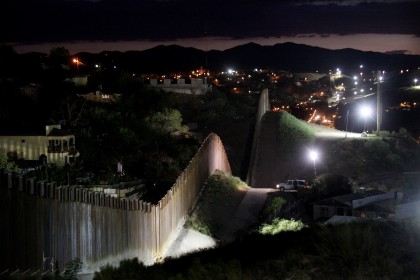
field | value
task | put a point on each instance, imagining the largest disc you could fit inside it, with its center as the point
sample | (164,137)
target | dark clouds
(61,20)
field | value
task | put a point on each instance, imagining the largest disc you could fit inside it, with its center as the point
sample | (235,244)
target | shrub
(277,203)
(280,225)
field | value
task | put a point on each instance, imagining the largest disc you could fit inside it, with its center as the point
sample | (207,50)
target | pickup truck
(292,185)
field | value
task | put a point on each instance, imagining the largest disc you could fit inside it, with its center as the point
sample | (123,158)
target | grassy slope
(217,204)
(379,250)
(393,152)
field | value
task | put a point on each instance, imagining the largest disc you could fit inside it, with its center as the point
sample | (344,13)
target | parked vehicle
(292,185)
(302,184)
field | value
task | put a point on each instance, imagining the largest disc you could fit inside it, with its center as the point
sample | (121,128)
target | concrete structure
(56,146)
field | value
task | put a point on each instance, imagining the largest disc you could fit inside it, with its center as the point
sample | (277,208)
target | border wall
(44,226)
(263,107)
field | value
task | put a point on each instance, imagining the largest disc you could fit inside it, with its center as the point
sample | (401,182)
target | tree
(7,164)
(165,122)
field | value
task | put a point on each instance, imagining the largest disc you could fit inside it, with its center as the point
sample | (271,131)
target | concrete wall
(60,223)
(263,107)
(26,147)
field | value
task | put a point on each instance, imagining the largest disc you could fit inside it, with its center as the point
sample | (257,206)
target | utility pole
(378,102)
(347,121)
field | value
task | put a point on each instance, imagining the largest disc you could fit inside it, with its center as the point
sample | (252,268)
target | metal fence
(44,223)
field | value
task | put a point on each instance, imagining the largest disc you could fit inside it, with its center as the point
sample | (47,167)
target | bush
(280,225)
(277,203)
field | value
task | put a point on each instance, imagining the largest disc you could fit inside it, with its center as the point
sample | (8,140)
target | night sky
(96,25)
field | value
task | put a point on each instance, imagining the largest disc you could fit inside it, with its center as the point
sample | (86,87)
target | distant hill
(287,56)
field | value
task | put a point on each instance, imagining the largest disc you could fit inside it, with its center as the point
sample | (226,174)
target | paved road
(248,212)
(327,132)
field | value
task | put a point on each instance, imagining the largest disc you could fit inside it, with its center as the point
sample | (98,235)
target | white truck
(292,185)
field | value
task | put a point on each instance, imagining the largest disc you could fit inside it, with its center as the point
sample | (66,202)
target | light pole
(347,121)
(378,102)
(314,156)
(415,82)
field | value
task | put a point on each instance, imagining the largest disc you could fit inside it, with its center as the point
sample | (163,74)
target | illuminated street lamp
(379,101)
(77,62)
(365,111)
(347,121)
(415,82)
(314,156)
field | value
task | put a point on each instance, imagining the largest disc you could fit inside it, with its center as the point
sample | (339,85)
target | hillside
(367,250)
(285,144)
(215,211)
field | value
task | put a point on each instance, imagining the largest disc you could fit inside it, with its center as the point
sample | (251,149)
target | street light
(314,156)
(365,111)
(77,62)
(379,101)
(347,121)
(415,82)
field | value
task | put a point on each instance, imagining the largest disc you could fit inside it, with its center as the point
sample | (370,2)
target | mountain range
(286,56)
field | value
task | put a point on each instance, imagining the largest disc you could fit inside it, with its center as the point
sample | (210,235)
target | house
(195,86)
(56,146)
(99,97)
(372,204)
(383,209)
(344,205)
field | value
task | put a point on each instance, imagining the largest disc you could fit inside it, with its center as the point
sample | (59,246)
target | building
(371,204)
(56,146)
(191,86)
(344,205)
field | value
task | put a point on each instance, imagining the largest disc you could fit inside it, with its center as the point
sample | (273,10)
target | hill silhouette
(286,56)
